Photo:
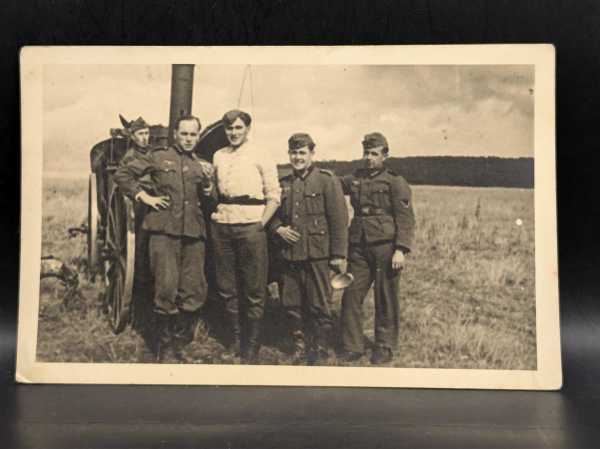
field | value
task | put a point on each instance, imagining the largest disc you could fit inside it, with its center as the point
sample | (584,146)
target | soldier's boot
(234,346)
(183,332)
(299,348)
(297,339)
(164,339)
(250,354)
(319,354)
(350,356)
(147,353)
(381,355)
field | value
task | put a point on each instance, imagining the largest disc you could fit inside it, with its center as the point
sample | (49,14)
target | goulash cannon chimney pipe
(182,87)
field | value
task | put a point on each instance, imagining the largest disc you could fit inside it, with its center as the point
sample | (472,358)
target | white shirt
(245,170)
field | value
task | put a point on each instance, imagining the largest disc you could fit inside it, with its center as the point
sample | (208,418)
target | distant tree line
(449,170)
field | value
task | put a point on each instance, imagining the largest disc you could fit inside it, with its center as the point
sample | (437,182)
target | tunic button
(186,202)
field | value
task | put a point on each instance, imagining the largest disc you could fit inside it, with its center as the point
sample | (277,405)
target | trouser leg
(318,295)
(253,267)
(191,292)
(353,298)
(318,292)
(386,297)
(292,291)
(192,280)
(225,259)
(165,253)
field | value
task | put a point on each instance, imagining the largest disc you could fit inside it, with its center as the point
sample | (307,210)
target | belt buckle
(365,210)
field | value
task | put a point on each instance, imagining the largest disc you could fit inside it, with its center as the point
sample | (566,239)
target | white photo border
(547,376)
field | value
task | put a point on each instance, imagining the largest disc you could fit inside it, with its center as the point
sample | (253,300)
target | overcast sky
(423,110)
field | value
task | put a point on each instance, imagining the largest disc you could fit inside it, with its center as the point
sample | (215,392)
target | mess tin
(341,280)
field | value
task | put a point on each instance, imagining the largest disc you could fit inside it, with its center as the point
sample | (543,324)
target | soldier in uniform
(177,229)
(381,234)
(312,225)
(139,138)
(138,132)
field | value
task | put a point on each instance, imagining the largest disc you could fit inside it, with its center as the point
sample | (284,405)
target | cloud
(423,110)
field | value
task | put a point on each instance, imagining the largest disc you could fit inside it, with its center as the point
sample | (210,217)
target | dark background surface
(128,417)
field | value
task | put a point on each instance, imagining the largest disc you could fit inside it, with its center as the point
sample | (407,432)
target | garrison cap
(373,140)
(300,140)
(137,124)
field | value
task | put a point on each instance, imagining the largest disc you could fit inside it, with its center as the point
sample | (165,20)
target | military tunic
(178,232)
(313,205)
(143,278)
(383,222)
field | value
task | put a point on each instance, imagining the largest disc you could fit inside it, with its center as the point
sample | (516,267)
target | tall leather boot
(250,355)
(319,354)
(234,346)
(147,353)
(164,340)
(298,341)
(183,330)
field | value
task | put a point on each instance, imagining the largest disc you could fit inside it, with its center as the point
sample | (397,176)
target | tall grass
(467,294)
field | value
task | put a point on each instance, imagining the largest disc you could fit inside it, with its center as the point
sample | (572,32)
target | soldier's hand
(338,265)
(155,202)
(288,234)
(207,187)
(208,170)
(398,260)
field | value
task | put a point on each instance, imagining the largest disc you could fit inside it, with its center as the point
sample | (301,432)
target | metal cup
(341,280)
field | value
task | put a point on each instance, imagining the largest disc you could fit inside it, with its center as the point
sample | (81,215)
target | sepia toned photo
(377,216)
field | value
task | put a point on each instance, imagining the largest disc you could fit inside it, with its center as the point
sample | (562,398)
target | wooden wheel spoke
(113,226)
(117,292)
(120,249)
(92,233)
(114,250)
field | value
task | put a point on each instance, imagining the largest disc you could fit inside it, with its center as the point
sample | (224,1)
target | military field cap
(137,124)
(300,140)
(373,140)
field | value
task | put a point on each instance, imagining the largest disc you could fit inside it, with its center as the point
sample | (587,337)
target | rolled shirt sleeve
(270,180)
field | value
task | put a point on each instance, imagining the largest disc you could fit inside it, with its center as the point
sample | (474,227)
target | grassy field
(467,294)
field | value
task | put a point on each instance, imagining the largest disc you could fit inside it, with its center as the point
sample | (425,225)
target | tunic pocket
(388,227)
(381,195)
(317,226)
(166,176)
(318,238)
(314,203)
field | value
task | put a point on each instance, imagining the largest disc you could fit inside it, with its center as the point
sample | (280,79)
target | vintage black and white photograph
(340,213)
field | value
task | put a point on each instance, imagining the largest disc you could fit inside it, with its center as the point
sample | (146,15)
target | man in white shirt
(249,195)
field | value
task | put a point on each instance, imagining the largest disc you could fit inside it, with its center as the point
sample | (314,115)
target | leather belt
(243,200)
(368,211)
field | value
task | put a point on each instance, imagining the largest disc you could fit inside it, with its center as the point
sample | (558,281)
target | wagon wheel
(119,259)
(92,225)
